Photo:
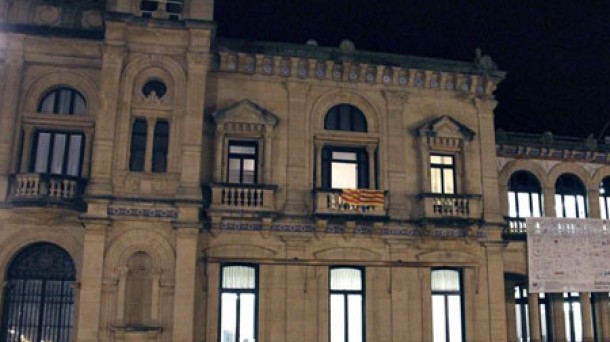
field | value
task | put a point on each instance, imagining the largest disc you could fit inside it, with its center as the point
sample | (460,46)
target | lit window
(604,198)
(238,302)
(57,153)
(524,195)
(139,133)
(345,168)
(242,162)
(442,174)
(572,315)
(521,313)
(570,197)
(345,117)
(63,101)
(160,146)
(347,305)
(447,310)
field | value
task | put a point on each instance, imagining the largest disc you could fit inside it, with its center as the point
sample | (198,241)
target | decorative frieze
(143,212)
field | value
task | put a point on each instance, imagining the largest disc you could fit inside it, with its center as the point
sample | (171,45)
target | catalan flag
(363,197)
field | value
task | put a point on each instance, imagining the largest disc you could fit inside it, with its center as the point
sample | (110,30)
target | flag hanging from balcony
(363,197)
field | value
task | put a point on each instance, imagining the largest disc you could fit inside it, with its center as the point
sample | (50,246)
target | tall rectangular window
(238,303)
(139,132)
(447,307)
(572,316)
(58,153)
(347,314)
(442,174)
(522,313)
(160,146)
(345,168)
(243,157)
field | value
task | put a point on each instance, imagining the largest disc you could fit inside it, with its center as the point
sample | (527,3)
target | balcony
(515,228)
(242,200)
(34,189)
(332,203)
(440,207)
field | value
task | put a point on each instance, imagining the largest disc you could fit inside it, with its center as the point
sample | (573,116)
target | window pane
(570,205)
(344,176)
(581,206)
(518,321)
(558,205)
(543,321)
(435,177)
(345,279)
(566,313)
(247,312)
(79,105)
(536,205)
(577,320)
(602,207)
(249,169)
(65,97)
(354,325)
(238,277)
(337,318)
(160,146)
(512,204)
(228,320)
(139,132)
(59,149)
(447,160)
(439,318)
(234,168)
(47,103)
(524,204)
(349,156)
(455,318)
(436,159)
(240,149)
(42,152)
(74,154)
(448,179)
(445,280)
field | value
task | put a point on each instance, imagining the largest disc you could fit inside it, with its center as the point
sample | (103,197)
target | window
(573,318)
(243,157)
(38,296)
(604,198)
(345,168)
(58,153)
(63,101)
(442,174)
(524,195)
(447,308)
(546,318)
(139,132)
(522,313)
(345,117)
(160,146)
(570,197)
(173,8)
(347,314)
(238,303)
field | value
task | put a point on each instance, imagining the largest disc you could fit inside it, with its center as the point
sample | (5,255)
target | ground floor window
(238,303)
(347,305)
(447,306)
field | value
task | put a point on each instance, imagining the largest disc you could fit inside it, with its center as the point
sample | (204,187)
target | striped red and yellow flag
(363,197)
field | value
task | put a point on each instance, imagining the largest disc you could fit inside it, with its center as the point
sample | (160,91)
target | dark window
(442,174)
(522,313)
(139,132)
(345,117)
(154,86)
(58,153)
(347,313)
(604,198)
(172,7)
(524,195)
(345,168)
(570,197)
(238,303)
(63,101)
(160,146)
(447,306)
(243,156)
(39,296)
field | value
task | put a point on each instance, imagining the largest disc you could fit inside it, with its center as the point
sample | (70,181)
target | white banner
(568,255)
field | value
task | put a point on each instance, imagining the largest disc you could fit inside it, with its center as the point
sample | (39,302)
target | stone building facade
(159,183)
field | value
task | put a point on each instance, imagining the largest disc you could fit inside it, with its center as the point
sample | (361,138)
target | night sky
(556,53)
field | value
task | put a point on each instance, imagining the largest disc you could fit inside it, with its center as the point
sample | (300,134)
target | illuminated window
(522,313)
(604,198)
(242,162)
(572,316)
(447,307)
(524,195)
(347,314)
(570,195)
(57,153)
(345,168)
(238,303)
(442,174)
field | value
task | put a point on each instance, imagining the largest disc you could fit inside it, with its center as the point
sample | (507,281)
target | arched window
(570,194)
(39,297)
(604,198)
(524,195)
(63,101)
(138,290)
(347,313)
(345,117)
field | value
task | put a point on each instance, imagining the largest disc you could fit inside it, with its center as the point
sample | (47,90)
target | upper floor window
(345,117)
(347,305)
(170,9)
(238,303)
(242,158)
(58,153)
(139,134)
(345,168)
(524,195)
(63,101)
(442,174)
(153,158)
(570,195)
(604,198)
(447,307)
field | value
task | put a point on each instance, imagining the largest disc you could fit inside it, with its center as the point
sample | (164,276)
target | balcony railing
(253,198)
(515,227)
(331,202)
(44,189)
(449,206)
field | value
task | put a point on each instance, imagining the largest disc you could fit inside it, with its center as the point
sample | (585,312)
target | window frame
(66,154)
(241,157)
(442,168)
(362,164)
(446,295)
(345,294)
(255,292)
(528,189)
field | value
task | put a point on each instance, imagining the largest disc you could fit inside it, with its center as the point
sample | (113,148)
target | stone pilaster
(495,276)
(534,319)
(184,294)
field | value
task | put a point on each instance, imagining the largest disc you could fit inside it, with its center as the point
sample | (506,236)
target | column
(370,150)
(267,157)
(319,146)
(586,316)
(91,280)
(184,294)
(511,319)
(548,193)
(557,317)
(26,157)
(534,312)
(593,206)
(604,316)
(495,276)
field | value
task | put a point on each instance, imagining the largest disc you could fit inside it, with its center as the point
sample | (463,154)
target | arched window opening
(345,117)
(570,195)
(39,296)
(63,101)
(604,198)
(347,312)
(138,296)
(524,195)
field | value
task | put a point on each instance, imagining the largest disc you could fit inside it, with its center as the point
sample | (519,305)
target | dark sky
(556,52)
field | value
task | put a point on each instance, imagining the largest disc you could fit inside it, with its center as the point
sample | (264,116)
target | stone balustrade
(330,202)
(515,228)
(445,206)
(242,197)
(41,189)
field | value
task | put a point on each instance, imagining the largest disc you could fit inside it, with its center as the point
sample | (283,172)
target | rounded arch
(569,183)
(129,243)
(345,117)
(575,169)
(522,165)
(42,260)
(331,99)
(80,82)
(600,174)
(524,180)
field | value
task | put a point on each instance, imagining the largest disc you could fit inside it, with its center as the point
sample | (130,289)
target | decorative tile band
(143,212)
